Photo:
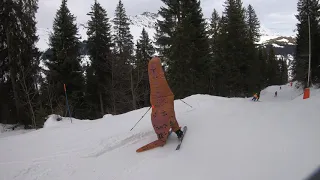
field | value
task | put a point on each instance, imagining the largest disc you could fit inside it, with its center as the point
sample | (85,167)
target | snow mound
(55,121)
(52,121)
(107,116)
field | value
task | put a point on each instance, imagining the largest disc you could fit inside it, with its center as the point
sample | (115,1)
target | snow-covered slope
(277,138)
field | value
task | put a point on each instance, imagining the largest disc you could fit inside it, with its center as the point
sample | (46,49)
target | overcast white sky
(276,16)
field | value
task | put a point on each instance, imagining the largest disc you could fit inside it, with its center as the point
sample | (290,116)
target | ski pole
(141,118)
(185,103)
(65,91)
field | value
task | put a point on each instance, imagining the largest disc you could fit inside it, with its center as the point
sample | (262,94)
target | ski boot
(179,133)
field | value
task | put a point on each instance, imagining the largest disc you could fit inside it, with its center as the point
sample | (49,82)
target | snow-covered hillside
(227,139)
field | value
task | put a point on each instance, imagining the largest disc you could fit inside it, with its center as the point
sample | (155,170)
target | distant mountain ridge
(284,45)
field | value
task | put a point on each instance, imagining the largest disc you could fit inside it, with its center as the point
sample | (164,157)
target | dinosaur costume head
(159,87)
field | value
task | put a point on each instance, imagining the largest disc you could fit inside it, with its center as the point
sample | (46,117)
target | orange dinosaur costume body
(162,100)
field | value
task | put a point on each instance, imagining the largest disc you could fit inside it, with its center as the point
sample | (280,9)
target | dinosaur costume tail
(162,100)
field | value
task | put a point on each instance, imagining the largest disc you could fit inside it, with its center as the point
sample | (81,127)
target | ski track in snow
(113,143)
(277,138)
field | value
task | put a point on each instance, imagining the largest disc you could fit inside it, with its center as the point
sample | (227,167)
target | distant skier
(280,87)
(255,97)
(162,100)
(258,96)
(276,94)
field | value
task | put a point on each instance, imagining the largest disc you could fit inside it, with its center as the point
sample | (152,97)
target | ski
(181,139)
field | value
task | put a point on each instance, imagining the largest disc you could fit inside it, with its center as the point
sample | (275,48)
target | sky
(275,16)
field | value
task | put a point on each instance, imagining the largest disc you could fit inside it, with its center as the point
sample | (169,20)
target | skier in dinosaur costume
(162,100)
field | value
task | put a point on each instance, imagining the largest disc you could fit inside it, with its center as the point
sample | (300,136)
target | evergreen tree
(99,76)
(29,60)
(123,96)
(64,64)
(253,24)
(214,30)
(10,32)
(283,79)
(216,81)
(262,58)
(122,38)
(144,51)
(253,60)
(20,58)
(301,61)
(186,45)
(272,68)
(236,49)
(166,28)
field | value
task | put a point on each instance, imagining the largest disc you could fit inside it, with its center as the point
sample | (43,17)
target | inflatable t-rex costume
(161,98)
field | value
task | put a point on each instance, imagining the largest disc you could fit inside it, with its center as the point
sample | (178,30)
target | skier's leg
(174,123)
(172,115)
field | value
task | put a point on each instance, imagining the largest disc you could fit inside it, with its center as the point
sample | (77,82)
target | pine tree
(236,49)
(214,30)
(10,31)
(144,51)
(166,28)
(122,38)
(99,76)
(283,71)
(20,57)
(222,68)
(123,96)
(272,68)
(253,59)
(64,65)
(301,61)
(184,37)
(217,72)
(253,24)
(262,58)
(29,60)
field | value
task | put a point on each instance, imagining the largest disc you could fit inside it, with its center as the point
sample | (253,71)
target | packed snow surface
(227,139)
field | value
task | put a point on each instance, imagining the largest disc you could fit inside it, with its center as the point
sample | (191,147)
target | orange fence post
(306,93)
